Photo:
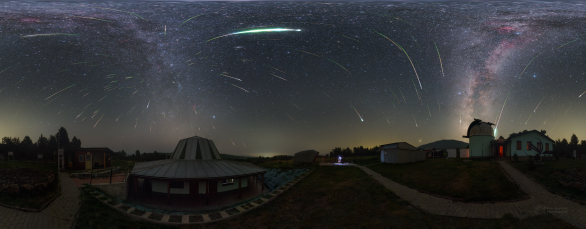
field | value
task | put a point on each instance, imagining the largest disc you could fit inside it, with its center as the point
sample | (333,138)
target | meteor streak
(528,119)
(290,116)
(394,95)
(358,114)
(189,20)
(538,104)
(568,43)
(274,68)
(417,92)
(60,91)
(499,119)
(428,110)
(148,104)
(582,94)
(406,55)
(340,66)
(529,64)
(278,76)
(243,143)
(194,109)
(240,88)
(415,120)
(99,120)
(93,18)
(230,77)
(232,141)
(440,59)
(48,34)
(402,95)
(118,118)
(257,31)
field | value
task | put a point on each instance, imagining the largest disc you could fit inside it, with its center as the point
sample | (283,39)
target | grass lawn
(542,175)
(345,197)
(34,199)
(363,160)
(476,180)
(95,214)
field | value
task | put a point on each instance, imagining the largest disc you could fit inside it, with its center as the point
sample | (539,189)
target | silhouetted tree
(75,143)
(573,143)
(137,153)
(62,138)
(26,146)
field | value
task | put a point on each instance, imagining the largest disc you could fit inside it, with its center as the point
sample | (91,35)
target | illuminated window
(177,184)
(528,145)
(228,182)
(519,145)
(546,146)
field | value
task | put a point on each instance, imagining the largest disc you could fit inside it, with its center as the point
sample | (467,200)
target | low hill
(445,144)
(232,157)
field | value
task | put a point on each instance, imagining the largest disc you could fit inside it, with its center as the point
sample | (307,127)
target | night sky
(263,79)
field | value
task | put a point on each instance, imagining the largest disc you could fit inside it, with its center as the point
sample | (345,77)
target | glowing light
(257,31)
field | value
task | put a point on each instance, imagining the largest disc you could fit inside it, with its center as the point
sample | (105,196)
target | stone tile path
(60,214)
(541,201)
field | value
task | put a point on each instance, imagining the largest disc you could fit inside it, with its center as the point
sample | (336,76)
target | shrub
(531,164)
(537,157)
(515,157)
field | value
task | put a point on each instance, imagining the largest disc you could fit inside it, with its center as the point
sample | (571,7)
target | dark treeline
(26,149)
(355,152)
(259,159)
(137,156)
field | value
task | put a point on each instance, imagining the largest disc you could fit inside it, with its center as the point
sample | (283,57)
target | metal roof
(196,148)
(195,169)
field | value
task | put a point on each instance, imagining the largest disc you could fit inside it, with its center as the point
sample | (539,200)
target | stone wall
(117,190)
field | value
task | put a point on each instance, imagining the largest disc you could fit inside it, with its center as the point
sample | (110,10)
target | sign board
(40,156)
(60,152)
(10,153)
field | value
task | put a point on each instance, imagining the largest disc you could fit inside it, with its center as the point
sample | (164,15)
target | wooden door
(501,151)
(88,161)
(213,187)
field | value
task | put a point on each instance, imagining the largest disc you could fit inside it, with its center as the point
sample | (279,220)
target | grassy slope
(468,181)
(34,199)
(345,197)
(543,172)
(95,214)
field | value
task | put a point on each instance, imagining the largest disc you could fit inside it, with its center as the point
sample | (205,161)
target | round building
(481,135)
(195,177)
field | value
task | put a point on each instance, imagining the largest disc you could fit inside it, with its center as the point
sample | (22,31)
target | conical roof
(196,148)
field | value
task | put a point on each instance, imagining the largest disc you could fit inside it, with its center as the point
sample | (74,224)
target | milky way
(289,76)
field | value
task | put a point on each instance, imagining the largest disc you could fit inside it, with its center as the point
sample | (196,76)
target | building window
(228,182)
(539,146)
(546,146)
(177,184)
(519,145)
(528,145)
(80,158)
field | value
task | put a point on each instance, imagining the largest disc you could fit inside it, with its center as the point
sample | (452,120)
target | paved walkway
(541,201)
(59,214)
(116,178)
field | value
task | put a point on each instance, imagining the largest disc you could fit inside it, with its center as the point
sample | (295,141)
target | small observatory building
(481,135)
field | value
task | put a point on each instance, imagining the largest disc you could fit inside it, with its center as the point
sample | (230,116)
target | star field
(264,78)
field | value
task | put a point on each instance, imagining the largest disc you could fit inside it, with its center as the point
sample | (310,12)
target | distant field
(542,174)
(476,180)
